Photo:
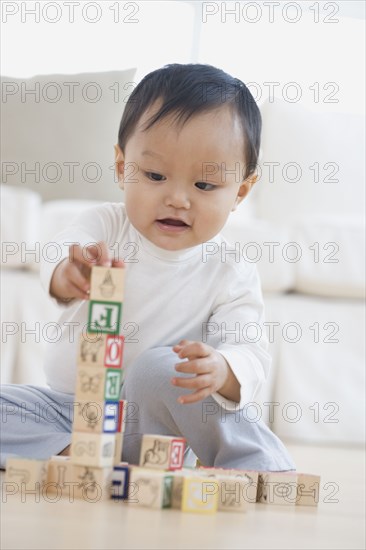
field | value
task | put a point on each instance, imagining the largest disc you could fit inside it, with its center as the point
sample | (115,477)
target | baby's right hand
(71,278)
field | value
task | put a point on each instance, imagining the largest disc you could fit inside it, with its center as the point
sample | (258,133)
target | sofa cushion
(333,257)
(59,140)
(20,226)
(312,163)
(320,375)
(28,322)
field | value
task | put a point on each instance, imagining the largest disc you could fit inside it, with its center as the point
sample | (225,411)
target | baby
(186,156)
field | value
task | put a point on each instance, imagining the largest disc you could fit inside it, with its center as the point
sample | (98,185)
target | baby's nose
(178,197)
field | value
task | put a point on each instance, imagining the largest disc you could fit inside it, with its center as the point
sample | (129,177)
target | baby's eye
(154,176)
(201,184)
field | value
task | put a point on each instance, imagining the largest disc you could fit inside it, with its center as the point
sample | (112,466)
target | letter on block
(200,495)
(178,479)
(277,488)
(107,284)
(150,488)
(104,317)
(162,452)
(27,473)
(98,384)
(100,350)
(94,417)
(308,489)
(120,478)
(93,449)
(78,482)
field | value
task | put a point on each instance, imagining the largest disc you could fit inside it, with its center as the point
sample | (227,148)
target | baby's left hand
(209,366)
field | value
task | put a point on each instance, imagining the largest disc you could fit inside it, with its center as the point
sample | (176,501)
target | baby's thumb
(103,252)
(118,263)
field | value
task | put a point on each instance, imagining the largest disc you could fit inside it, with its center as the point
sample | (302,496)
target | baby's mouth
(171,221)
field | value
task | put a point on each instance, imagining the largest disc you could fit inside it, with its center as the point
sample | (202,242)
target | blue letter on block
(120,482)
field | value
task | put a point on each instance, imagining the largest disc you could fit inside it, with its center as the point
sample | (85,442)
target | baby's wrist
(230,389)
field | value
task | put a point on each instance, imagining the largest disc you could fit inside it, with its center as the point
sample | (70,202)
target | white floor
(337,523)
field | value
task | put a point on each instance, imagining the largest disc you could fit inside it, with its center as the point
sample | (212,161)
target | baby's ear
(244,189)
(119,165)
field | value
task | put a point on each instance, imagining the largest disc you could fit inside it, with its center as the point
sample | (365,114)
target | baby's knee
(150,373)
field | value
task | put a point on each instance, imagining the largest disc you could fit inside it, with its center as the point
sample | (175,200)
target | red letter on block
(177,454)
(114,351)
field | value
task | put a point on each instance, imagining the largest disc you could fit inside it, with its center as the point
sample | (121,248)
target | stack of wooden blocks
(99,413)
(97,436)
(94,470)
(98,425)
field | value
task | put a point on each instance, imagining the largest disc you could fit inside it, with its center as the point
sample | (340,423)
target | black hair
(190,89)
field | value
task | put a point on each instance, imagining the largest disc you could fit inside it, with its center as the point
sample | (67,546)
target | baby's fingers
(118,263)
(77,292)
(191,349)
(201,383)
(194,397)
(93,254)
(80,280)
(82,256)
(77,282)
(196,366)
(193,383)
(100,254)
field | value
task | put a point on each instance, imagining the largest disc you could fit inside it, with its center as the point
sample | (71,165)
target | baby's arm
(230,364)
(71,277)
(85,242)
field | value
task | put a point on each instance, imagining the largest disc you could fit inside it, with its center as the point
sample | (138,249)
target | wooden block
(200,495)
(177,484)
(118,448)
(94,417)
(107,284)
(92,449)
(104,317)
(177,488)
(308,489)
(277,488)
(238,488)
(232,493)
(251,488)
(100,350)
(120,480)
(75,481)
(149,488)
(98,384)
(162,452)
(27,473)
(250,477)
(114,351)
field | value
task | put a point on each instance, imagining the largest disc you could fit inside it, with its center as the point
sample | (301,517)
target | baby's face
(181,183)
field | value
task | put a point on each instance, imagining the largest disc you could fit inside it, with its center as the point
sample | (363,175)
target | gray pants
(36,422)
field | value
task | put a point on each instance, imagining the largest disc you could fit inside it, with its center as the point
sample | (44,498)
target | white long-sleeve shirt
(201,293)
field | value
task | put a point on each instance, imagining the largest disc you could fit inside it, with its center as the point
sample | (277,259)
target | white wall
(125,34)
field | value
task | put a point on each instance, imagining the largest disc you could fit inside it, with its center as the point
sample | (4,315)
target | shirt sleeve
(236,330)
(91,226)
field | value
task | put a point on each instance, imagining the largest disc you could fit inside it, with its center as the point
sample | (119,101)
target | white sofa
(306,236)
